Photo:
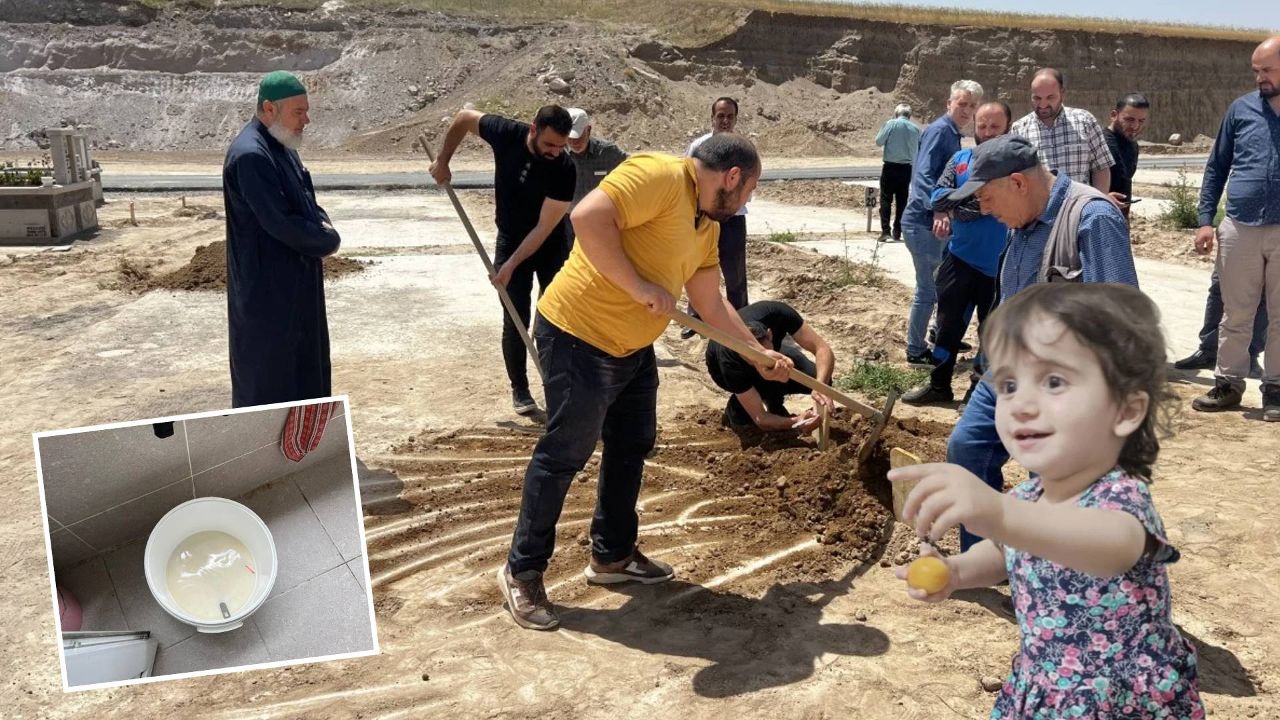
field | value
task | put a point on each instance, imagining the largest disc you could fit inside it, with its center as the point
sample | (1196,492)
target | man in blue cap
(277,237)
(1059,230)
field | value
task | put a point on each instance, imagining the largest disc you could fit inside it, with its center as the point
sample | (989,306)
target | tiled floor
(313,517)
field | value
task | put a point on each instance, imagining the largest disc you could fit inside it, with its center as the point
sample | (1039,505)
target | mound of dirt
(773,491)
(207,270)
(792,489)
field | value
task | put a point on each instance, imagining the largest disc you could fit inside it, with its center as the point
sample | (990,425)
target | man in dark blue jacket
(938,143)
(277,237)
(966,278)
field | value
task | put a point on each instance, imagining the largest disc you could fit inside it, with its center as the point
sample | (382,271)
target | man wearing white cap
(594,158)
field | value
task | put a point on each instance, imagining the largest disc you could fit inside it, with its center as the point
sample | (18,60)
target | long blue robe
(278,331)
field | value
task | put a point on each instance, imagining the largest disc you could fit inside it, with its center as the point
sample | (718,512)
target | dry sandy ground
(764,621)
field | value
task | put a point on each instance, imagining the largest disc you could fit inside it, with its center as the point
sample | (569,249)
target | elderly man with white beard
(277,237)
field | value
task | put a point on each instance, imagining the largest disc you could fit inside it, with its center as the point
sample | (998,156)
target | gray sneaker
(636,568)
(527,600)
(523,403)
(1271,403)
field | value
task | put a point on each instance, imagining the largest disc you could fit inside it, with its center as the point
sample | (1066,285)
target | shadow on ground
(752,643)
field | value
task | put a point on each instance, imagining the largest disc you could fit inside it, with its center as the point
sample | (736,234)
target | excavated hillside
(1189,81)
(182,78)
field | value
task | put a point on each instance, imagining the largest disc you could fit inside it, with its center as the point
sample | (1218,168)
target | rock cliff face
(1190,82)
(183,78)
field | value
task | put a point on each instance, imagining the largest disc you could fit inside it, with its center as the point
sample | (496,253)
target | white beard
(284,137)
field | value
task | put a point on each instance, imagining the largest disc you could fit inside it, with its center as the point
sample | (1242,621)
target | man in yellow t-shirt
(647,231)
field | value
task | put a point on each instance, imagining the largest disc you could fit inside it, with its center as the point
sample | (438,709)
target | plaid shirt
(1074,145)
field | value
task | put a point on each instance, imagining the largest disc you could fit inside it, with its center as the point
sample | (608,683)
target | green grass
(702,21)
(877,379)
(786,236)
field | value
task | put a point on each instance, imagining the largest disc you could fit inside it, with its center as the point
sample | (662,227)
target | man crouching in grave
(756,401)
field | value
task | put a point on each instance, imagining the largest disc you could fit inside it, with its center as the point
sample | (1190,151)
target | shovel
(878,417)
(901,489)
(488,265)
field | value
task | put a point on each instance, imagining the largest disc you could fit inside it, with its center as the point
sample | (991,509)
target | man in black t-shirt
(1127,121)
(757,401)
(533,182)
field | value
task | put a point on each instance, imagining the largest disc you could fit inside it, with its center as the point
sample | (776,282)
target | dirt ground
(784,603)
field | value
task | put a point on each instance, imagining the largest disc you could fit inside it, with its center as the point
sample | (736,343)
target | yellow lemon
(929,574)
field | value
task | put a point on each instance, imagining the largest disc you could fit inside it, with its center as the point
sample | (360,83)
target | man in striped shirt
(593,158)
(1069,139)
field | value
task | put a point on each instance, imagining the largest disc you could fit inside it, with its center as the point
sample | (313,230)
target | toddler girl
(1079,373)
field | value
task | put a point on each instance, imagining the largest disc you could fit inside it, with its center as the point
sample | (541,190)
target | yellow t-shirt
(657,198)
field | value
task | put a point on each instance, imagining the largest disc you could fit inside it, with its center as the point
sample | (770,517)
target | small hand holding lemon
(929,577)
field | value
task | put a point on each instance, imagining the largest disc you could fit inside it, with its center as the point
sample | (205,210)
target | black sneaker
(1220,397)
(527,600)
(636,568)
(924,361)
(523,403)
(884,237)
(1198,360)
(928,394)
(964,347)
(1271,403)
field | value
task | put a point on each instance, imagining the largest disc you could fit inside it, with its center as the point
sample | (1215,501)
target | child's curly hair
(1122,327)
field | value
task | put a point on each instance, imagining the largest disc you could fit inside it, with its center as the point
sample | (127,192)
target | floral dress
(1097,647)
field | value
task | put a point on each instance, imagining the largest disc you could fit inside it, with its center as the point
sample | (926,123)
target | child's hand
(946,496)
(927,550)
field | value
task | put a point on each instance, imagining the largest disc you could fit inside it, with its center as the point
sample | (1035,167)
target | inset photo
(206,543)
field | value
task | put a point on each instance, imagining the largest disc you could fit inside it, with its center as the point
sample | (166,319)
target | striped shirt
(600,158)
(1103,241)
(1073,145)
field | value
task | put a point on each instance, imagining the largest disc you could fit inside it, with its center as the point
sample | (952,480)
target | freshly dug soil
(782,489)
(207,270)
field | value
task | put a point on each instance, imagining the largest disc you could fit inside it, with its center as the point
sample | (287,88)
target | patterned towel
(304,427)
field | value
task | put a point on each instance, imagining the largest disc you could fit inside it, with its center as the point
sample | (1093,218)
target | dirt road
(764,620)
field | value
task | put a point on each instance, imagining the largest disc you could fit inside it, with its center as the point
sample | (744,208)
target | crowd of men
(613,240)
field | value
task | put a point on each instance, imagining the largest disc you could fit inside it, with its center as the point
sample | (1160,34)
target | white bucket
(203,515)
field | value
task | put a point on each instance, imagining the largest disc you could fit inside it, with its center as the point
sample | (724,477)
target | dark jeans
(1213,319)
(895,183)
(975,446)
(733,261)
(773,394)
(962,289)
(591,395)
(544,263)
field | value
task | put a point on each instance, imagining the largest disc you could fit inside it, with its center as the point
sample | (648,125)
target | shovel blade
(901,458)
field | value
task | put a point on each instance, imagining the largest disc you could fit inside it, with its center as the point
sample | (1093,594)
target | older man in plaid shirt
(1070,140)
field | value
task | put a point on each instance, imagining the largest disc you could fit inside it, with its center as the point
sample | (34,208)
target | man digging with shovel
(533,182)
(650,228)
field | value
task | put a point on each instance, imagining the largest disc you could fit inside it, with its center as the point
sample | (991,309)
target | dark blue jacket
(278,332)
(939,142)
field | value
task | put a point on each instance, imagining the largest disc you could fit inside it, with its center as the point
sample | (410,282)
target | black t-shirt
(728,369)
(522,180)
(1125,152)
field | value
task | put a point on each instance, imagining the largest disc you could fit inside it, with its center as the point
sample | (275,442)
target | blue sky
(1234,13)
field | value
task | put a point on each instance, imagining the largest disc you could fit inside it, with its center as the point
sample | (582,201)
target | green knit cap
(278,85)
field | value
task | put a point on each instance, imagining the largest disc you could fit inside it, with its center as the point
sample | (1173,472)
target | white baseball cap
(580,122)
